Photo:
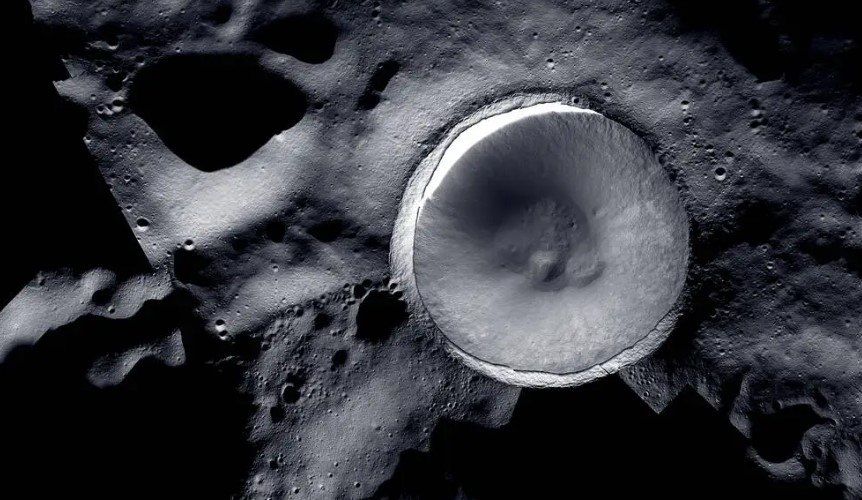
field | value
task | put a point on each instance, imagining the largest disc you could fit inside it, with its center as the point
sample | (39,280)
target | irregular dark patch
(276,413)
(275,231)
(753,221)
(308,37)
(189,266)
(57,167)
(758,220)
(62,40)
(214,110)
(775,39)
(378,315)
(339,358)
(418,476)
(222,12)
(359,291)
(748,38)
(239,244)
(290,393)
(109,33)
(322,320)
(103,296)
(161,429)
(374,242)
(115,80)
(776,436)
(379,81)
(603,432)
(327,231)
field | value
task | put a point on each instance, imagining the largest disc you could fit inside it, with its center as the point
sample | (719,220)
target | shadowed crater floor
(308,37)
(214,110)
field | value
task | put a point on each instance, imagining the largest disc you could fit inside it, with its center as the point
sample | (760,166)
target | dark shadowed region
(380,312)
(163,432)
(57,210)
(776,39)
(214,110)
(595,438)
(308,37)
(383,74)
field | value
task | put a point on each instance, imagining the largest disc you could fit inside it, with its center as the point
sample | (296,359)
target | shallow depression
(549,239)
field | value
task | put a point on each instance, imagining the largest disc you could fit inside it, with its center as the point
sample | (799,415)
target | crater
(549,246)
(214,110)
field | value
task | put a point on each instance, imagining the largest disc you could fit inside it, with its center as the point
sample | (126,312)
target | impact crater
(546,243)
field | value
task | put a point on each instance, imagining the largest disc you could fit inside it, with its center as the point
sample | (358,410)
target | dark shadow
(308,37)
(825,247)
(214,110)
(327,231)
(776,436)
(384,73)
(57,211)
(380,312)
(190,266)
(599,440)
(162,432)
(784,39)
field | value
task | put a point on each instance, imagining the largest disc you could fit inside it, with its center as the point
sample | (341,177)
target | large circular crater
(546,243)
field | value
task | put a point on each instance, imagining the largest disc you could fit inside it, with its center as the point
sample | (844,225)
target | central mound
(549,239)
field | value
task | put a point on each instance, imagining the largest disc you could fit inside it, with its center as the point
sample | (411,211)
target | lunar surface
(258,249)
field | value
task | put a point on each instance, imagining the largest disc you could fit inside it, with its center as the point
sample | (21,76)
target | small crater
(379,314)
(339,358)
(109,35)
(214,110)
(103,296)
(308,37)
(290,391)
(776,436)
(379,81)
(322,320)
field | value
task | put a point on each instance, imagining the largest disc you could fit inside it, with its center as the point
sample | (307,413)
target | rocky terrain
(200,197)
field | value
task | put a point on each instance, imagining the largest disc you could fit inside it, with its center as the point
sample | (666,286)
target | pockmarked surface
(259,152)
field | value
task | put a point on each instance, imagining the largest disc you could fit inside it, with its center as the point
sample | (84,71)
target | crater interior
(550,239)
